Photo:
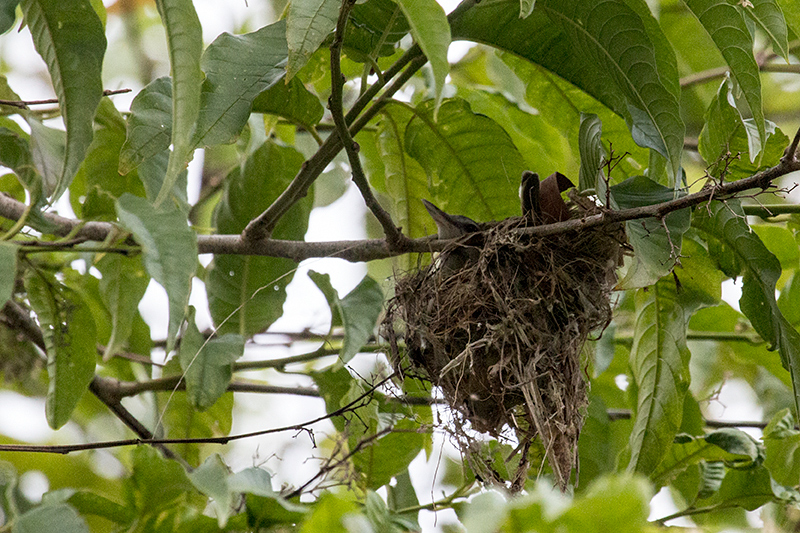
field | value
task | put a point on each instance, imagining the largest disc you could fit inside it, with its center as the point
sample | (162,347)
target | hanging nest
(502,337)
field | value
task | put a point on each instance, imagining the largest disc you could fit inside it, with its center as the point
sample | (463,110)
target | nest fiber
(502,336)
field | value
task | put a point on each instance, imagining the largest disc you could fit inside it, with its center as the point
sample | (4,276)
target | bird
(451,227)
(542,202)
(529,197)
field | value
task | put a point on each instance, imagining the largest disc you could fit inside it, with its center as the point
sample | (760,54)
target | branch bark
(372,249)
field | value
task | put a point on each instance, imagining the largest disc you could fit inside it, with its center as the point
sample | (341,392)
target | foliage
(667,113)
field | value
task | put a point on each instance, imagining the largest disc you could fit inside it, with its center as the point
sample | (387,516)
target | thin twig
(23,104)
(260,228)
(335,103)
(20,320)
(371,249)
(68,448)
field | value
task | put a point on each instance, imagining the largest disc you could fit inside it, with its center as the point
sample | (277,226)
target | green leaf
(656,244)
(156,483)
(15,153)
(405,180)
(782,444)
(375,28)
(207,364)
(725,222)
(246,293)
(123,284)
(264,512)
(726,133)
(308,23)
(69,334)
(468,158)
(8,271)
(291,101)
(185,45)
(211,478)
(98,183)
(727,28)
(70,38)
(769,18)
(58,517)
(8,15)
(779,241)
(614,52)
(359,311)
(562,104)
(732,446)
(89,503)
(48,150)
(391,454)
(328,513)
(238,68)
(169,248)
(539,143)
(149,126)
(592,155)
(659,362)
(749,489)
(592,513)
(431,31)
(791,11)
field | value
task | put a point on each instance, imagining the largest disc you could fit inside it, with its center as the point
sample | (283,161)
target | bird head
(450,226)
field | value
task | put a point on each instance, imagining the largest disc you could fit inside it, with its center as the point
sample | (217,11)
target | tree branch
(260,228)
(23,104)
(335,103)
(20,320)
(371,249)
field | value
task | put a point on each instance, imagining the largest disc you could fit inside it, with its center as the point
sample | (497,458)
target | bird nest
(502,337)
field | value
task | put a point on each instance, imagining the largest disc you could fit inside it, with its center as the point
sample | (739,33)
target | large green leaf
(431,31)
(613,51)
(725,223)
(592,155)
(206,364)
(98,183)
(308,23)
(472,164)
(656,244)
(8,14)
(123,284)
(15,153)
(69,334)
(238,68)
(375,27)
(246,293)
(791,10)
(291,101)
(538,142)
(156,483)
(724,132)
(733,446)
(405,180)
(726,26)
(659,361)
(769,17)
(359,311)
(8,271)
(70,38)
(149,126)
(782,442)
(169,248)
(562,105)
(211,478)
(57,517)
(185,46)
